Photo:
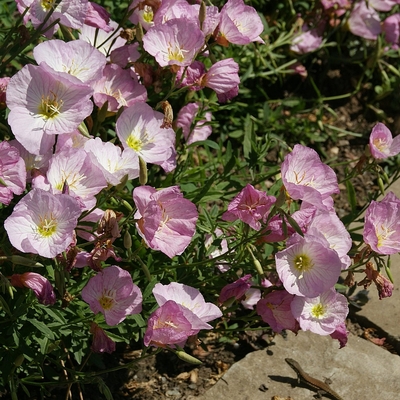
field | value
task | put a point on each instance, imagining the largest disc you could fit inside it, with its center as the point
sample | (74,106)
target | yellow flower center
(318,311)
(134,143)
(47,5)
(106,302)
(148,14)
(47,225)
(50,106)
(176,54)
(302,263)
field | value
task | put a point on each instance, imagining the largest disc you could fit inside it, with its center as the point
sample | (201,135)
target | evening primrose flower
(44,104)
(322,314)
(382,225)
(43,223)
(308,266)
(307,178)
(165,219)
(176,42)
(113,293)
(139,130)
(39,284)
(381,142)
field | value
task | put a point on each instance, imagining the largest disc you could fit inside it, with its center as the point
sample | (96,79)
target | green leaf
(209,143)
(42,328)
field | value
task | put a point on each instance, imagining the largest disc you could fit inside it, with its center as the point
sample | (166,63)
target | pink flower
(43,104)
(223,78)
(391,28)
(341,334)
(175,9)
(251,298)
(250,206)
(75,168)
(139,129)
(12,173)
(239,24)
(143,13)
(3,89)
(306,42)
(329,224)
(235,290)
(101,39)
(193,130)
(39,284)
(222,265)
(114,163)
(118,88)
(166,220)
(43,223)
(308,267)
(101,342)
(364,21)
(275,310)
(175,42)
(306,178)
(125,55)
(71,13)
(98,17)
(189,298)
(113,293)
(77,58)
(382,5)
(382,225)
(381,142)
(192,75)
(168,326)
(322,314)
(384,286)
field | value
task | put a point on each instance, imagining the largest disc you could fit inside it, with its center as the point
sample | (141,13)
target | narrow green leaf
(42,328)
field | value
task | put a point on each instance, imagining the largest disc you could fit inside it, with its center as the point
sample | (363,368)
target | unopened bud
(19,360)
(188,358)
(142,171)
(202,13)
(139,33)
(127,240)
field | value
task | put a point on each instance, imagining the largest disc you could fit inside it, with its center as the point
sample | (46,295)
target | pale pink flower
(114,163)
(101,342)
(175,9)
(322,314)
(73,140)
(171,44)
(193,129)
(211,21)
(239,24)
(103,41)
(189,298)
(44,104)
(334,231)
(275,310)
(341,334)
(166,220)
(125,55)
(235,290)
(74,168)
(3,89)
(143,13)
(381,142)
(169,326)
(113,293)
(223,78)
(12,173)
(139,129)
(98,17)
(382,5)
(382,225)
(307,41)
(39,284)
(192,75)
(391,28)
(364,21)
(70,13)
(118,88)
(34,164)
(77,58)
(308,267)
(250,206)
(306,178)
(251,298)
(43,223)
